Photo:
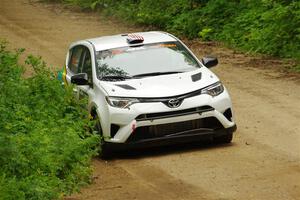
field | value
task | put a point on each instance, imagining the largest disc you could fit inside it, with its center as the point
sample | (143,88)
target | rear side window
(74,62)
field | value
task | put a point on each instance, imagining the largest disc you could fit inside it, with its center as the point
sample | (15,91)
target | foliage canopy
(266,26)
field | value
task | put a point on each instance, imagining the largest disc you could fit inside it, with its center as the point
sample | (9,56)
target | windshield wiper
(156,74)
(115,77)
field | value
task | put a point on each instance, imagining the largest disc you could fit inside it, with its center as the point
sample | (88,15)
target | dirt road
(263,162)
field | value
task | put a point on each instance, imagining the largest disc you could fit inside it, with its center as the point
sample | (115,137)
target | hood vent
(196,77)
(126,87)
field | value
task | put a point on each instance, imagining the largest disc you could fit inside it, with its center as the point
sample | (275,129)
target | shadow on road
(167,150)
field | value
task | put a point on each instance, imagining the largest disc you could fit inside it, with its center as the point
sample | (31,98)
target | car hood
(161,86)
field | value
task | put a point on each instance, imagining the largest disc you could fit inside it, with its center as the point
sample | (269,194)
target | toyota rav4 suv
(148,89)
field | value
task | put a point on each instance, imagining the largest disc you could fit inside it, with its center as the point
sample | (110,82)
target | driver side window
(80,61)
(87,65)
(75,59)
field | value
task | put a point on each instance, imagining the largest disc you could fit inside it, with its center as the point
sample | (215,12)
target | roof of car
(115,41)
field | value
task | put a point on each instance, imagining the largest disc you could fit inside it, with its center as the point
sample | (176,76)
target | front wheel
(103,151)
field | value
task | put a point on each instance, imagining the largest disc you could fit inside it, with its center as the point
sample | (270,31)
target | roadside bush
(45,142)
(267,27)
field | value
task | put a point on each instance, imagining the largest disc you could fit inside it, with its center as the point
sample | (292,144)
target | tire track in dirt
(137,183)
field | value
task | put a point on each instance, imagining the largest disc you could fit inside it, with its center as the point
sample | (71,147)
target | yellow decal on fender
(64,76)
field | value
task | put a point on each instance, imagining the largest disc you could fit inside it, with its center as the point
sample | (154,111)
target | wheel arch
(95,111)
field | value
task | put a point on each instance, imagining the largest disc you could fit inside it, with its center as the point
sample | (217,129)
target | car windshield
(145,60)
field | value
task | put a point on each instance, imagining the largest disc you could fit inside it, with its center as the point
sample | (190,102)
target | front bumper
(178,138)
(153,114)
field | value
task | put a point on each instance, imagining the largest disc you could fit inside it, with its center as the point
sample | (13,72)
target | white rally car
(149,89)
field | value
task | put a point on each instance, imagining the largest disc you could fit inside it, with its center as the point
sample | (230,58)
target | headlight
(121,102)
(214,89)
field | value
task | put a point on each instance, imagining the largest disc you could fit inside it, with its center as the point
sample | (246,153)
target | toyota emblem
(174,103)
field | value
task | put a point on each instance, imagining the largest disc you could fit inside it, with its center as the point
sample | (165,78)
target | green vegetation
(264,26)
(45,142)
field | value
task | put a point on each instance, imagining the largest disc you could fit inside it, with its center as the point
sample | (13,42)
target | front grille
(161,130)
(160,115)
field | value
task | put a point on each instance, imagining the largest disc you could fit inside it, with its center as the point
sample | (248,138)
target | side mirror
(80,79)
(209,61)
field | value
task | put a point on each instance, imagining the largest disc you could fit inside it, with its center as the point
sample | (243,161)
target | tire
(103,151)
(224,139)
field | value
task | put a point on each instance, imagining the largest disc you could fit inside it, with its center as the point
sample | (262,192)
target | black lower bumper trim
(192,136)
